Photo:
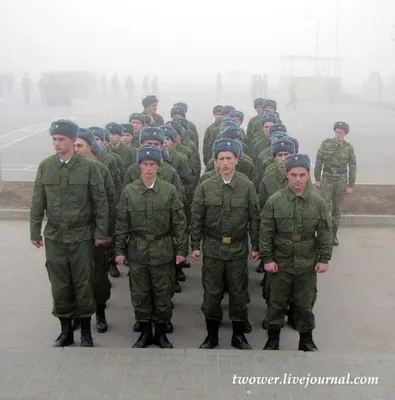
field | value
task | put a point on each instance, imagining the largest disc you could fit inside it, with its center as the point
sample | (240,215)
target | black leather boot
(335,239)
(114,271)
(291,315)
(137,327)
(306,342)
(273,340)
(180,276)
(86,333)
(101,321)
(66,337)
(75,323)
(169,327)
(177,288)
(160,338)
(146,337)
(238,339)
(211,340)
(247,327)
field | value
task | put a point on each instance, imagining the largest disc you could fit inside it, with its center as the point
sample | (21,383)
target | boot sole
(101,330)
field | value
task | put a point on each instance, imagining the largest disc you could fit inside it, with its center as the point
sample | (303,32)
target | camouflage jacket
(186,147)
(110,162)
(261,145)
(287,214)
(193,136)
(156,117)
(179,162)
(73,197)
(119,163)
(156,211)
(262,156)
(127,153)
(332,161)
(250,125)
(207,145)
(222,216)
(135,142)
(213,172)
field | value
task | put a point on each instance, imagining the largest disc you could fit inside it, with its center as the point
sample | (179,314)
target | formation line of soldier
(134,194)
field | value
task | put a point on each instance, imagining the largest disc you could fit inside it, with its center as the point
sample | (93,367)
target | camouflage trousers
(333,191)
(101,284)
(151,289)
(301,289)
(70,268)
(216,274)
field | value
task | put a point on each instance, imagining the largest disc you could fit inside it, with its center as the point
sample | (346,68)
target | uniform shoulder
(246,183)
(49,161)
(348,144)
(278,195)
(169,168)
(240,174)
(328,141)
(166,185)
(316,197)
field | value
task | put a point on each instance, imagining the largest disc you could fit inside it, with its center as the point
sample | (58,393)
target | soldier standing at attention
(295,242)
(137,120)
(333,158)
(207,134)
(151,221)
(150,104)
(70,191)
(225,209)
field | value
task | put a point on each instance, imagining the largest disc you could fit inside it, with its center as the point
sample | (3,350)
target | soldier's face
(280,157)
(259,109)
(218,117)
(269,108)
(148,169)
(127,138)
(152,143)
(62,144)
(339,134)
(297,178)
(266,126)
(82,148)
(115,138)
(226,162)
(137,125)
(239,120)
(152,107)
(103,144)
(169,143)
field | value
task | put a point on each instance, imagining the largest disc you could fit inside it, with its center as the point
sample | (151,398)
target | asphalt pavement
(24,139)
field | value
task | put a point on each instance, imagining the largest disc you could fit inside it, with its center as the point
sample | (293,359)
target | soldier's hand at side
(349,191)
(320,267)
(196,255)
(255,255)
(318,186)
(99,242)
(38,243)
(120,260)
(179,259)
(271,267)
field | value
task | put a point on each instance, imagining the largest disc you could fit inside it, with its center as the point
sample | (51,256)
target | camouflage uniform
(127,154)
(207,144)
(332,161)
(110,162)
(158,119)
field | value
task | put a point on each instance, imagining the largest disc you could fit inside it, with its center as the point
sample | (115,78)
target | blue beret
(128,128)
(297,160)
(115,128)
(148,100)
(236,114)
(277,128)
(137,117)
(177,111)
(270,103)
(64,127)
(295,142)
(169,132)
(181,104)
(276,136)
(97,149)
(341,125)
(86,135)
(182,121)
(267,118)
(152,133)
(259,102)
(227,109)
(282,145)
(96,131)
(217,110)
(176,126)
(231,132)
(226,145)
(149,152)
(107,135)
(226,122)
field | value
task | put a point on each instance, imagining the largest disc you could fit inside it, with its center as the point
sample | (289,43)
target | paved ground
(354,333)
(24,140)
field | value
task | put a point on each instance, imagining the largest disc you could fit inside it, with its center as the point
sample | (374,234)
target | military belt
(149,237)
(226,239)
(335,170)
(66,226)
(296,237)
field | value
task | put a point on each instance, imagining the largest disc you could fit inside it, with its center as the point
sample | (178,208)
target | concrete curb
(347,220)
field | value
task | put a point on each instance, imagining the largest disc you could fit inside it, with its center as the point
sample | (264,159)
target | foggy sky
(174,38)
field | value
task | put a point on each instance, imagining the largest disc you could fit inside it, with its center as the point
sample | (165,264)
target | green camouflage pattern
(193,160)
(207,144)
(193,136)
(101,285)
(158,119)
(135,142)
(110,162)
(119,162)
(69,193)
(127,153)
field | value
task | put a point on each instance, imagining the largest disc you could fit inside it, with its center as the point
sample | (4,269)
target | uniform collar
(142,188)
(292,196)
(232,183)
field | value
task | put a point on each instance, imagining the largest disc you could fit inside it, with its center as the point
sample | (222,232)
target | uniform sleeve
(100,203)
(249,127)
(324,234)
(111,198)
(253,214)
(263,195)
(121,167)
(267,231)
(116,177)
(122,226)
(253,176)
(37,207)
(176,182)
(319,163)
(206,142)
(198,213)
(179,226)
(352,168)
(128,177)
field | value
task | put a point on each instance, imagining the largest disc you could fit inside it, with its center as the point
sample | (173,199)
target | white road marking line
(22,138)
(20,130)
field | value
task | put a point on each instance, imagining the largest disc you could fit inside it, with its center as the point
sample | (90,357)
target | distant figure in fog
(26,86)
(129,86)
(219,86)
(292,96)
(115,87)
